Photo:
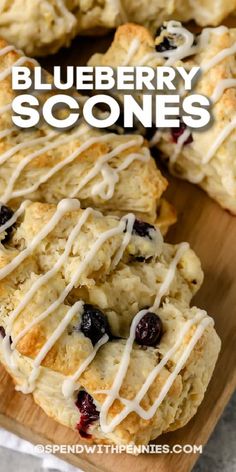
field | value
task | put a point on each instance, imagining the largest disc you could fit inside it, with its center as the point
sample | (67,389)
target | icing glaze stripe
(63,207)
(134,405)
(43,279)
(124,363)
(219,140)
(68,386)
(15,216)
(30,384)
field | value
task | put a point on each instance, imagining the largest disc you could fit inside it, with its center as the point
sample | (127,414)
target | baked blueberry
(141,228)
(2,332)
(6,214)
(142,258)
(167,43)
(88,412)
(94,323)
(149,330)
(177,132)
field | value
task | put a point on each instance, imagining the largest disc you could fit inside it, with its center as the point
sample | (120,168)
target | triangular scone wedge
(74,287)
(110,172)
(207,157)
(41,28)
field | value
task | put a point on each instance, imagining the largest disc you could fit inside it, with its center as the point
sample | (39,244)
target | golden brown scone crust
(139,186)
(120,293)
(218,175)
(40,28)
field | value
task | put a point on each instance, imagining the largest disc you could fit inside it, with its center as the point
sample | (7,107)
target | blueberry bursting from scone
(6,214)
(97,316)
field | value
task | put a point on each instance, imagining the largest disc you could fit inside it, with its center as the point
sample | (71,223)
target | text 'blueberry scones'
(42,27)
(96,321)
(110,172)
(205,157)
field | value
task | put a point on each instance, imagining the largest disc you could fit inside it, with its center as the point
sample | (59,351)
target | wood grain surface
(212,234)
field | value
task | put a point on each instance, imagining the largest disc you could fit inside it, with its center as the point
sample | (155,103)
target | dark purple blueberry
(177,132)
(2,332)
(141,258)
(167,43)
(88,412)
(141,228)
(6,214)
(94,323)
(149,330)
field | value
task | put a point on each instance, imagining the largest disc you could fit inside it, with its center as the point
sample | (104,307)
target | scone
(96,321)
(42,27)
(110,172)
(206,157)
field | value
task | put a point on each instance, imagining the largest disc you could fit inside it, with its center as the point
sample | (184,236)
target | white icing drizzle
(124,363)
(134,405)
(218,58)
(69,385)
(133,48)
(156,138)
(223,85)
(20,146)
(101,166)
(81,268)
(181,52)
(6,132)
(110,179)
(29,385)
(42,280)
(124,226)
(147,58)
(179,145)
(19,62)
(129,219)
(9,194)
(15,216)
(104,189)
(111,176)
(226,131)
(187,48)
(184,50)
(62,208)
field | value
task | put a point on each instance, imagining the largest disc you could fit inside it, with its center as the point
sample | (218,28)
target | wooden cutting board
(212,234)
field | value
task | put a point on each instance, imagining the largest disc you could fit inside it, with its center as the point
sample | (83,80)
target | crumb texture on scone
(96,321)
(111,172)
(42,27)
(205,157)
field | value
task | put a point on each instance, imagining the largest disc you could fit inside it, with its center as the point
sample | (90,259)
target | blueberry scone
(110,172)
(205,157)
(42,27)
(96,321)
